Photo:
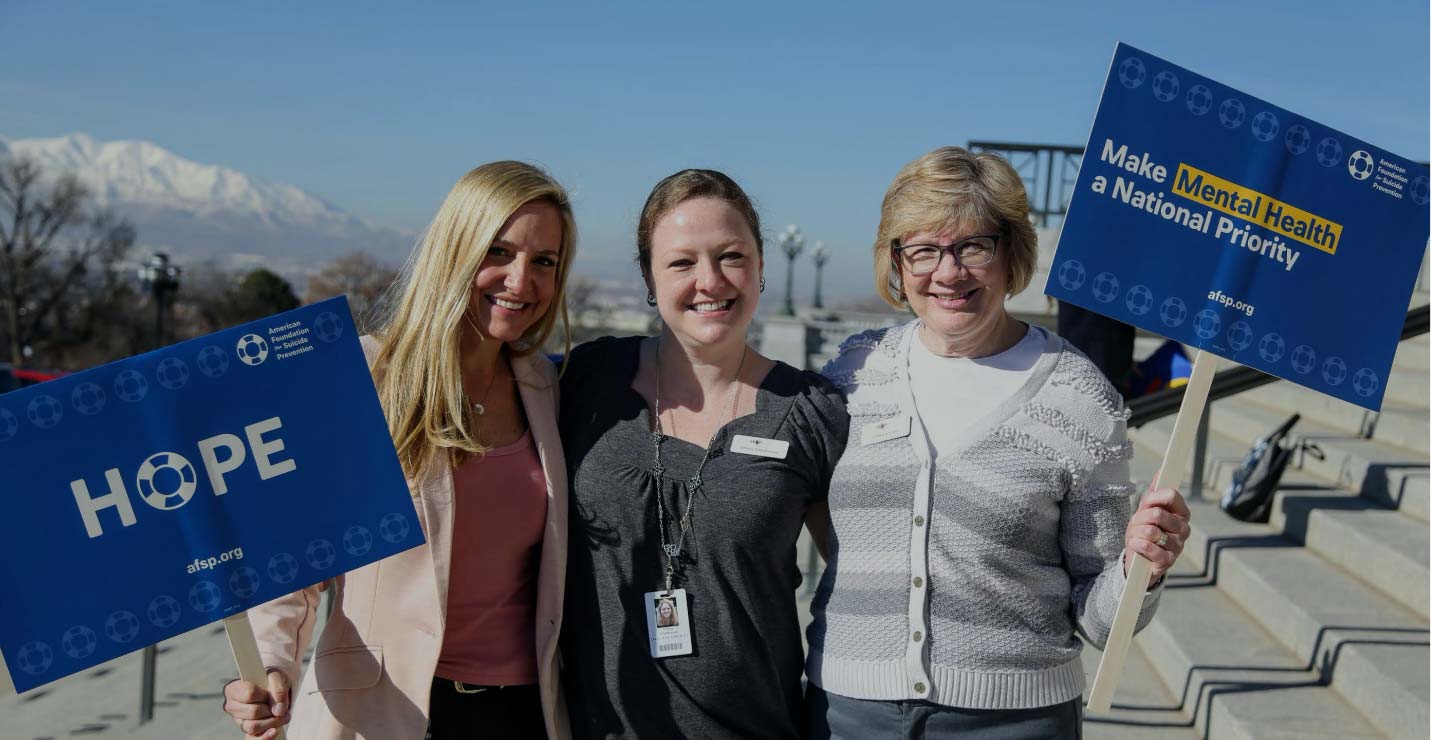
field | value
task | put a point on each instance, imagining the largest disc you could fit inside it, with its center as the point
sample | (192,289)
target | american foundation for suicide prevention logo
(251,349)
(1361,164)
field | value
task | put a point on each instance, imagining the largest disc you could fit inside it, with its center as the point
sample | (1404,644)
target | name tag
(885,430)
(776,448)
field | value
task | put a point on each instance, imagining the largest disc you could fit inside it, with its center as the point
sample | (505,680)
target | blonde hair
(949,189)
(418,369)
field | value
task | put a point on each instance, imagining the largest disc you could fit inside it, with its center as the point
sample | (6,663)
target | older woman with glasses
(980,513)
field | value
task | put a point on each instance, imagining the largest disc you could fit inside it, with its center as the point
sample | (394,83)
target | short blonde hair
(948,189)
(419,366)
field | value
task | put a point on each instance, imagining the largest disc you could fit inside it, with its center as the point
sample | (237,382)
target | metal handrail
(1235,380)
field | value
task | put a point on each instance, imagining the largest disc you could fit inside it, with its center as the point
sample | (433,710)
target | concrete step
(1322,614)
(1341,525)
(1408,386)
(1235,679)
(1390,475)
(1142,707)
(1413,353)
(1392,547)
(1398,424)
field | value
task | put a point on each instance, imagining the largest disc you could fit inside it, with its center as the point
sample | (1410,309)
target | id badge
(668,623)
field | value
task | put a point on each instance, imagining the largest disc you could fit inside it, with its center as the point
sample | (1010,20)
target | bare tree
(54,250)
(360,276)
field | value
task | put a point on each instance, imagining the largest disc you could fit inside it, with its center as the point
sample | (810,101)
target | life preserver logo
(176,480)
(252,349)
(1361,164)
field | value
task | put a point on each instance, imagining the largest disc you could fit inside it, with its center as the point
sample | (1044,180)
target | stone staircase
(1313,625)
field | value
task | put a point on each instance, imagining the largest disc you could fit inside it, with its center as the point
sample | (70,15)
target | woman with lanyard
(455,638)
(694,461)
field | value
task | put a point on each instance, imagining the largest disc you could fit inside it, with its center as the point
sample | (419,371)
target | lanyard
(693,484)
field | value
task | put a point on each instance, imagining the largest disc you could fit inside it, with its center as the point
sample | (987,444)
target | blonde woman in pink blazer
(458,637)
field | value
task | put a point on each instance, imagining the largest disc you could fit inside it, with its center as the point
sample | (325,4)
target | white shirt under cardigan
(962,584)
(952,391)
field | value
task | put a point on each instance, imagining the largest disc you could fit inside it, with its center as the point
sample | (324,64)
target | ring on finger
(1162,539)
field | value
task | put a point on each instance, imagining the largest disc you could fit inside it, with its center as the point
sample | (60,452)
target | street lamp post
(162,278)
(163,281)
(821,255)
(791,241)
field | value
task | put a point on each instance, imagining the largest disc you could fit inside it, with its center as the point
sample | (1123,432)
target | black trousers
(494,713)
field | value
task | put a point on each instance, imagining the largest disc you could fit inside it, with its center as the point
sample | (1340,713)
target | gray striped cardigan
(961,580)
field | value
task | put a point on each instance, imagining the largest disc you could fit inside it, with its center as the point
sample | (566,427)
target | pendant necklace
(479,407)
(672,550)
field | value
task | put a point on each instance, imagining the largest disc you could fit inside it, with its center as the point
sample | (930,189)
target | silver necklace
(693,484)
(479,407)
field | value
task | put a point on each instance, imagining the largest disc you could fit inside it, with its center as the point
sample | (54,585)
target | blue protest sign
(156,494)
(1217,219)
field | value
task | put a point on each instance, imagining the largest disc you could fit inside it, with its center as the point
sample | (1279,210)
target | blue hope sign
(160,493)
(1217,219)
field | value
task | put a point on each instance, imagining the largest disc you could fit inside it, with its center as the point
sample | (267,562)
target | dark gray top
(738,567)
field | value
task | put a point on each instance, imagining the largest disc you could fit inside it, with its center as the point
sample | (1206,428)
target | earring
(762,283)
(650,299)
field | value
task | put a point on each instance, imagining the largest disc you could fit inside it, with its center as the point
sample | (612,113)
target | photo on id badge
(668,623)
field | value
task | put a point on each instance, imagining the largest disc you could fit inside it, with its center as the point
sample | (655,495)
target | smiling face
(705,272)
(957,302)
(517,280)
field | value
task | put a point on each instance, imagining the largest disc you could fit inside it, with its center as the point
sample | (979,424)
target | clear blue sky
(812,108)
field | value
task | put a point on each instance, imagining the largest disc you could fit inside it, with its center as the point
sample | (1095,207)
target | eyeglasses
(922,259)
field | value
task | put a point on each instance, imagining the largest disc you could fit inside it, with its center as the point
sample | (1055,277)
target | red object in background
(12,379)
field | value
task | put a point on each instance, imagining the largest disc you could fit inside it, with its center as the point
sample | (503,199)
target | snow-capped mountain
(198,210)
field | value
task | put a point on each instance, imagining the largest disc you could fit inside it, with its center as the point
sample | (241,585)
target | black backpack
(1249,498)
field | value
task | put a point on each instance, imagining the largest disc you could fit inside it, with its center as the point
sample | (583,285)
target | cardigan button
(918,635)
(918,582)
(918,520)
(919,688)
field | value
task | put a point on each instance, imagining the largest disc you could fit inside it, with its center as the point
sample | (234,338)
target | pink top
(501,511)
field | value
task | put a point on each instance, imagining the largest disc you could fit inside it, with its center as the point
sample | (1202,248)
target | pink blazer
(371,675)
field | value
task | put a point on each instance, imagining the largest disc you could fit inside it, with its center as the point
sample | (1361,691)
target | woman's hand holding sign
(258,710)
(1157,531)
